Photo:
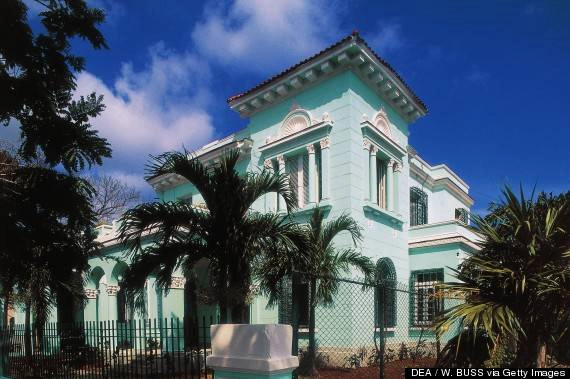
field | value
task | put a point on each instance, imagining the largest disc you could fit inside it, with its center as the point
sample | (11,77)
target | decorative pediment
(382,123)
(294,122)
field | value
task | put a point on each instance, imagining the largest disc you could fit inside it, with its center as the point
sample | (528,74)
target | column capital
(325,143)
(268,164)
(112,290)
(397,166)
(91,293)
(311,149)
(178,282)
(281,159)
(366,144)
(373,149)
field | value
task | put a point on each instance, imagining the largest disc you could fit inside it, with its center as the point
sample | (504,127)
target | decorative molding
(91,293)
(398,167)
(311,149)
(366,144)
(325,143)
(444,241)
(382,123)
(326,117)
(178,282)
(268,163)
(112,290)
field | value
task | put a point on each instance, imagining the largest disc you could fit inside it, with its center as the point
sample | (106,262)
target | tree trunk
(312,353)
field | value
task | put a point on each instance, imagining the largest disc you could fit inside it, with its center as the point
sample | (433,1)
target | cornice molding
(423,177)
(353,55)
(444,241)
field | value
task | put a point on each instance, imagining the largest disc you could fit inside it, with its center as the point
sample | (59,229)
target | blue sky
(494,74)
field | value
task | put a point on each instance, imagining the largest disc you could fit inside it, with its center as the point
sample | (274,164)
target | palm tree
(226,231)
(317,256)
(516,287)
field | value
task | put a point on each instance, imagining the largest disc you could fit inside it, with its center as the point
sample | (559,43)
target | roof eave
(349,53)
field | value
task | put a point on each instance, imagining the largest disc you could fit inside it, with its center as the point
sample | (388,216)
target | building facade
(338,123)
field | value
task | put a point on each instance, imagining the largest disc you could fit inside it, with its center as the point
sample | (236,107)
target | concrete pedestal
(252,351)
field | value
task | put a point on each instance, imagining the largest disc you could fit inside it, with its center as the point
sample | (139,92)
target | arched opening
(97,278)
(125,308)
(386,281)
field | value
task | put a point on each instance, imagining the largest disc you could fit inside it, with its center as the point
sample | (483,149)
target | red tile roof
(352,36)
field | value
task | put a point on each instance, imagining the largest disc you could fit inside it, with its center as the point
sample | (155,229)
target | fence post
(381,324)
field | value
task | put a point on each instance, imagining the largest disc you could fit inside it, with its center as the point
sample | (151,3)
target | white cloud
(157,109)
(387,38)
(261,35)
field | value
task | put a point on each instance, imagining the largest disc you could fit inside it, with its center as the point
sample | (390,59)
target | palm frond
(343,223)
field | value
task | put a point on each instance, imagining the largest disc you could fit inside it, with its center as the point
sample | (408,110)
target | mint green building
(338,123)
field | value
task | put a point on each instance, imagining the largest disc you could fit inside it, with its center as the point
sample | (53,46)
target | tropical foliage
(45,208)
(225,231)
(317,257)
(517,287)
(46,242)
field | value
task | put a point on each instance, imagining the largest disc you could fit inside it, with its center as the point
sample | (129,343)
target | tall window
(381,187)
(297,168)
(418,207)
(386,279)
(426,304)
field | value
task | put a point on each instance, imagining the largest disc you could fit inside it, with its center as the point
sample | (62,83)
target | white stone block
(261,349)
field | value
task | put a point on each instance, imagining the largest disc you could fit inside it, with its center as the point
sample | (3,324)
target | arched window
(386,280)
(418,207)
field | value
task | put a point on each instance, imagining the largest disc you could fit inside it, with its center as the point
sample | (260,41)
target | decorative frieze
(91,293)
(112,290)
(325,143)
(178,282)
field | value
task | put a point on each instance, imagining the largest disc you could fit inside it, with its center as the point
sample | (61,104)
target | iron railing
(153,348)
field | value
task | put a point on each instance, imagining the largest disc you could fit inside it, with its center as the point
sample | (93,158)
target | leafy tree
(46,242)
(225,231)
(517,288)
(37,81)
(45,212)
(317,256)
(111,197)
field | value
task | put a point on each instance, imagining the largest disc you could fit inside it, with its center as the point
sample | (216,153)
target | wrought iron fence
(371,330)
(168,348)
